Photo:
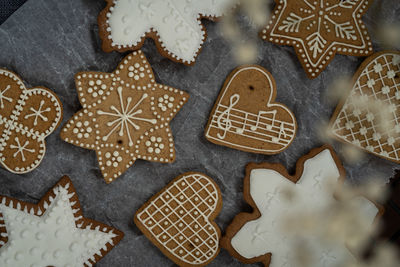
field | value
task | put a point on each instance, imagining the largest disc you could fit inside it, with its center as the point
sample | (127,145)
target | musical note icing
(246,117)
(226,121)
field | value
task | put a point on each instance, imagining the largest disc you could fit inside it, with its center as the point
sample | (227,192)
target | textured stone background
(48,41)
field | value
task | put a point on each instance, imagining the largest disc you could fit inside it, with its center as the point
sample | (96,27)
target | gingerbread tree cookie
(318,29)
(125,116)
(174,25)
(53,232)
(259,236)
(27,117)
(369,118)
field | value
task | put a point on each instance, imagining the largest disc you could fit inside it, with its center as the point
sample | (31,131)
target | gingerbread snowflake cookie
(27,117)
(245,116)
(260,237)
(53,232)
(319,29)
(179,219)
(369,118)
(175,25)
(125,116)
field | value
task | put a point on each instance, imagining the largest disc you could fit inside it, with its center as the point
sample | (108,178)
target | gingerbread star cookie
(27,117)
(174,25)
(246,116)
(53,232)
(259,236)
(319,29)
(369,118)
(125,116)
(179,219)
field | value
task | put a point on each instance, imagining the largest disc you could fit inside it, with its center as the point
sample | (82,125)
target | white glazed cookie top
(264,235)
(51,239)
(177,23)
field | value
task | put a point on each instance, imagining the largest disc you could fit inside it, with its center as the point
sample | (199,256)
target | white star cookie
(52,233)
(259,237)
(175,25)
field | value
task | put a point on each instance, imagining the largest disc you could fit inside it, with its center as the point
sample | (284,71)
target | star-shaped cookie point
(125,116)
(53,232)
(318,29)
(174,25)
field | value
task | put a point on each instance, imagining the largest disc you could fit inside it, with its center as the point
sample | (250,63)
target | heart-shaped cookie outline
(217,206)
(341,106)
(270,104)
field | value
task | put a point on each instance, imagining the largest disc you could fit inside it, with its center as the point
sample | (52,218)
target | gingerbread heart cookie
(179,219)
(174,25)
(320,29)
(245,116)
(369,118)
(27,117)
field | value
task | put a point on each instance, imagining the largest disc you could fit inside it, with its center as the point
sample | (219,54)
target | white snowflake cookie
(260,236)
(27,117)
(174,25)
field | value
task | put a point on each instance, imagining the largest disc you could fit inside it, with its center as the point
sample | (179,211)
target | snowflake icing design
(125,117)
(122,118)
(320,28)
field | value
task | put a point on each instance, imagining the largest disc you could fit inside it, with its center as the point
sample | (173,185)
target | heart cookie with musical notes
(245,116)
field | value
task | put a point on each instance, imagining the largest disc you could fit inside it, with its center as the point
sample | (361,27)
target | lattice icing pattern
(125,116)
(174,24)
(370,116)
(319,29)
(53,233)
(179,219)
(27,117)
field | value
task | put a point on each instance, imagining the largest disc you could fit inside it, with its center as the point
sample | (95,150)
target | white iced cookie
(175,25)
(261,237)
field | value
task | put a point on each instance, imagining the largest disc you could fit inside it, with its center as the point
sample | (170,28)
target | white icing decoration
(263,126)
(21,148)
(358,122)
(322,18)
(265,235)
(15,124)
(3,97)
(125,116)
(52,239)
(176,21)
(180,192)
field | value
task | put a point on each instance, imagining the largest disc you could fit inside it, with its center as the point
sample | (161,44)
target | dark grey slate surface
(48,41)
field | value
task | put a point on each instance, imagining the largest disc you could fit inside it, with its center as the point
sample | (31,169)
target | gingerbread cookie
(174,25)
(320,29)
(53,232)
(245,116)
(179,219)
(369,117)
(27,117)
(125,116)
(258,237)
